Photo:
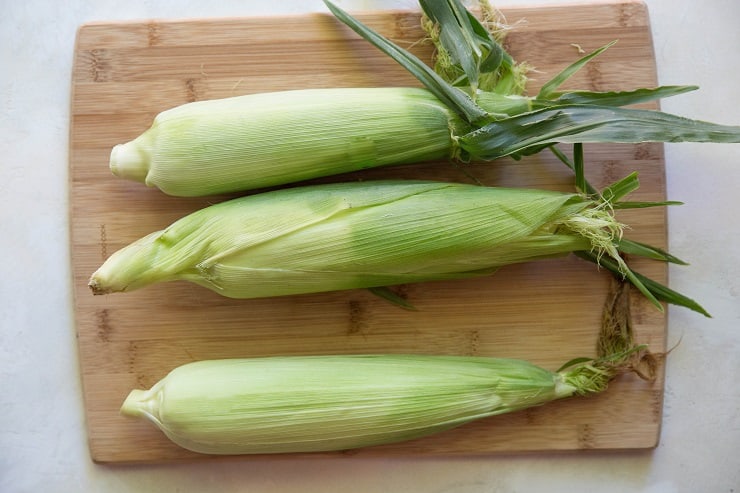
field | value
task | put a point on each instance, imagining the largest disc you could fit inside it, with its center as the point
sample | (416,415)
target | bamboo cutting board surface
(547,312)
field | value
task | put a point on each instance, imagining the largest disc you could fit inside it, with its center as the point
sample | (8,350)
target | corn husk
(359,235)
(262,140)
(324,403)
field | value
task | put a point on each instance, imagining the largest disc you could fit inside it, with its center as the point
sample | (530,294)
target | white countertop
(42,424)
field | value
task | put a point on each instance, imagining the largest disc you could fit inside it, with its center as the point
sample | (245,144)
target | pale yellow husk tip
(129,162)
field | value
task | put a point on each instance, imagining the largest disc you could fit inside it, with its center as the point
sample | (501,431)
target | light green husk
(359,235)
(329,403)
(325,403)
(263,140)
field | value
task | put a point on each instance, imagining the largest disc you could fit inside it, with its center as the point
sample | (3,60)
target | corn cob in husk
(359,235)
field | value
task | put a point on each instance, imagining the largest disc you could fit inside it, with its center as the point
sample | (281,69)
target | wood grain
(547,312)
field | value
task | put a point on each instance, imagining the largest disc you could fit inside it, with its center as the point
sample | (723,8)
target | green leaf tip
(394,298)
(547,89)
(653,290)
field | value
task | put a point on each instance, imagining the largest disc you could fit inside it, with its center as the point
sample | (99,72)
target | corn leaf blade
(644,205)
(547,89)
(656,290)
(614,192)
(588,124)
(589,189)
(392,297)
(614,98)
(631,247)
(579,168)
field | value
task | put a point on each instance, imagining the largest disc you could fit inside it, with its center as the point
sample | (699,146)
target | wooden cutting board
(547,312)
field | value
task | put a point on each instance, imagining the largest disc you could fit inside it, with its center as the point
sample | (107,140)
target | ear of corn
(261,140)
(324,403)
(359,235)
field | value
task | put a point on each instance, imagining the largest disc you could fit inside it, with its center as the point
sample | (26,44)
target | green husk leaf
(611,194)
(644,205)
(578,166)
(637,282)
(392,297)
(668,295)
(572,363)
(643,250)
(656,290)
(614,192)
(454,98)
(630,183)
(589,189)
(550,86)
(614,98)
(497,57)
(582,124)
